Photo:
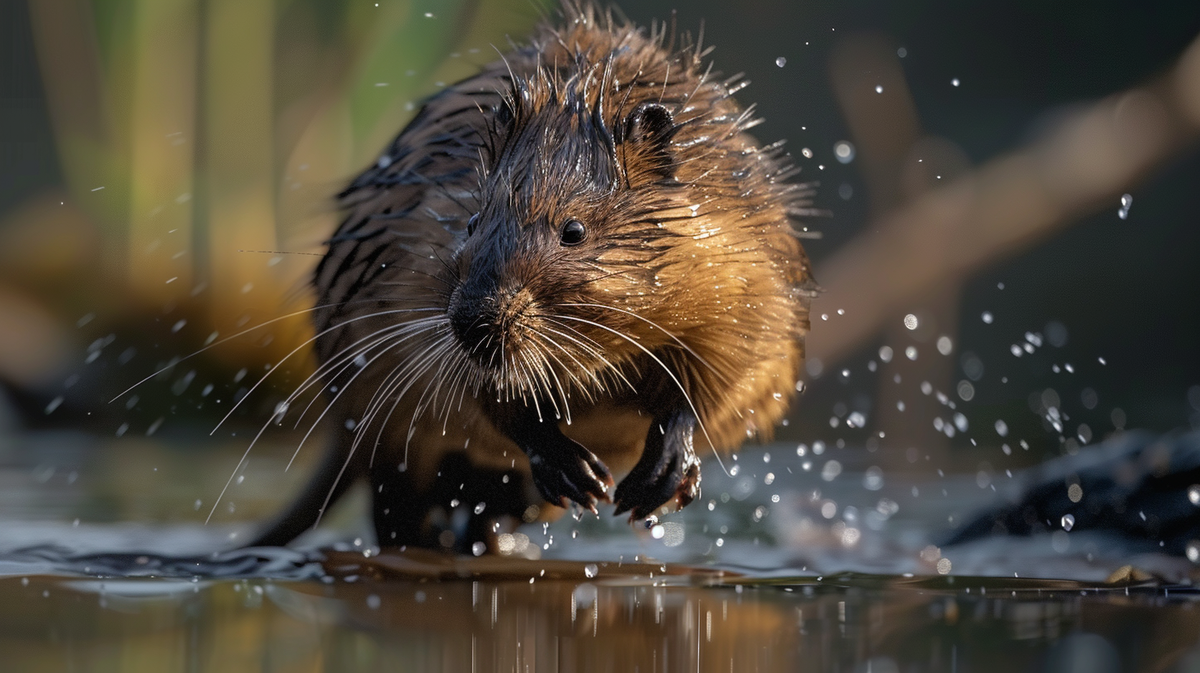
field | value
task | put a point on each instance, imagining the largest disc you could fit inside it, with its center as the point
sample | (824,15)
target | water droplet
(911,352)
(843,151)
(478,548)
(987,317)
(878,88)
(954,82)
(902,52)
(885,353)
(1068,521)
(1074,493)
(800,387)
(480,507)
(1193,551)
(590,570)
(856,420)
(1194,494)
(54,404)
(1001,428)
(808,154)
(944,345)
(911,322)
(781,61)
(1126,204)
(831,470)
(373,601)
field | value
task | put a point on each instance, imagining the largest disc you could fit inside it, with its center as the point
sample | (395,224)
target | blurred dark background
(1126,290)
(95,178)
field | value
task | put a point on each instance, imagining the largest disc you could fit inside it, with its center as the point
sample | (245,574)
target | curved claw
(668,471)
(571,475)
(678,484)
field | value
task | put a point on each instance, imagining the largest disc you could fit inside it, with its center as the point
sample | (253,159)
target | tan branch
(1005,206)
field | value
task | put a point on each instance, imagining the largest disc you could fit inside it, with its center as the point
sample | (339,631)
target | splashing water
(1126,204)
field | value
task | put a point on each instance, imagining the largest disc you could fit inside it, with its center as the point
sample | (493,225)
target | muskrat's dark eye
(573,232)
(471,222)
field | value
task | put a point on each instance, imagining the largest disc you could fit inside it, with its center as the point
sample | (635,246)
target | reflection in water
(518,615)
(580,595)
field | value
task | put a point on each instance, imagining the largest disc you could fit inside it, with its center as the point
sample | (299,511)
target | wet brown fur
(691,275)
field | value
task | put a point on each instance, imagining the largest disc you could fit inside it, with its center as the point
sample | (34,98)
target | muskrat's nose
(486,315)
(471,312)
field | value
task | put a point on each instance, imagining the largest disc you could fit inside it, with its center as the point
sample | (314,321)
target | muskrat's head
(623,222)
(560,256)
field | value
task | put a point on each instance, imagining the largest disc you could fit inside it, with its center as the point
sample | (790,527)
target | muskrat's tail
(333,477)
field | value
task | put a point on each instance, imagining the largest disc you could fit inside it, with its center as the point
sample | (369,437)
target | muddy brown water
(414,612)
(105,565)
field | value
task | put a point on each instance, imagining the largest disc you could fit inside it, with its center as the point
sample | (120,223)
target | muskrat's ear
(649,122)
(647,137)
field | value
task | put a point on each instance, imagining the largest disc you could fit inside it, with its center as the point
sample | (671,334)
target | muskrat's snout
(487,316)
(468,316)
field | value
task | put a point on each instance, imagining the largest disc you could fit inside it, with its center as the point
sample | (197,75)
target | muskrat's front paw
(675,479)
(576,475)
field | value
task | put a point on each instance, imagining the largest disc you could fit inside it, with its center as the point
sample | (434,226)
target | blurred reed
(201,143)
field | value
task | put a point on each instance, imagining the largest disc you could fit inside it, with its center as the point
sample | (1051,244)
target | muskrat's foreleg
(466,504)
(668,469)
(562,468)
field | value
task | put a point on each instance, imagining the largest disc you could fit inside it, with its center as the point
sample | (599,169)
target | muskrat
(563,269)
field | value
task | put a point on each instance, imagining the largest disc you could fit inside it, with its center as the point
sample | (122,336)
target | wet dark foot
(565,471)
(667,472)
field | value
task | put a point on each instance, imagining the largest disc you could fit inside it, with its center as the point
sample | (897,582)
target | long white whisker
(348,355)
(394,379)
(253,442)
(664,330)
(420,406)
(417,369)
(279,364)
(547,367)
(411,369)
(579,383)
(611,366)
(538,373)
(228,338)
(339,394)
(354,445)
(666,369)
